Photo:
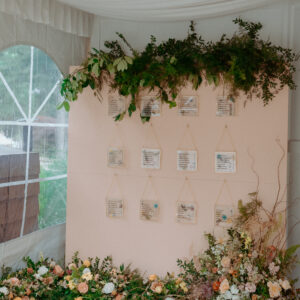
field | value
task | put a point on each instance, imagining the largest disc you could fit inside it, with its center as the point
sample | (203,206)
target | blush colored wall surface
(154,246)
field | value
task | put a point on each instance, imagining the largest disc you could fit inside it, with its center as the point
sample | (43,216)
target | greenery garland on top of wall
(242,63)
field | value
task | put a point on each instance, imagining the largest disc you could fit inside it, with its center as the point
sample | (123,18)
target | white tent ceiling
(165,10)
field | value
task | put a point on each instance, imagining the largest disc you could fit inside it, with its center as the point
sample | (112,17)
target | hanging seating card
(186,212)
(114,204)
(115,157)
(225,107)
(149,210)
(224,215)
(225,162)
(186,160)
(114,207)
(150,158)
(150,106)
(188,106)
(116,105)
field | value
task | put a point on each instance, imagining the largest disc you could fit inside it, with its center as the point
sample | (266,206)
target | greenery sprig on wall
(242,63)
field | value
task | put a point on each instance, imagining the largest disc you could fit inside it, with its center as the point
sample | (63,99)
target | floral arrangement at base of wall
(251,262)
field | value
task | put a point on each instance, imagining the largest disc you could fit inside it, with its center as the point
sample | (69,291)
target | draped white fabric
(50,12)
(166,10)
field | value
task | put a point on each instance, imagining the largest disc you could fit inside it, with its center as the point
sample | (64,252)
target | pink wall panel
(155,246)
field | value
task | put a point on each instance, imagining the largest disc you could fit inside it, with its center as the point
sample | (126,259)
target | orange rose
(119,297)
(216,286)
(28,292)
(82,288)
(254,297)
(29,270)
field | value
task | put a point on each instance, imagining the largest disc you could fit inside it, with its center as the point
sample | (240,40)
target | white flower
(37,276)
(169,298)
(227,295)
(86,270)
(285,284)
(4,290)
(234,290)
(108,288)
(235,297)
(42,270)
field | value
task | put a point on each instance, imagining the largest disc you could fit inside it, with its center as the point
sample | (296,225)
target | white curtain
(166,10)
(49,242)
(62,32)
(50,12)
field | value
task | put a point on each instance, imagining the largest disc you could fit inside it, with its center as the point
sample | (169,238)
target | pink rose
(14,281)
(82,288)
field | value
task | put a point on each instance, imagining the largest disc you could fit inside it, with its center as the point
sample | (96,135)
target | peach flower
(82,288)
(157,287)
(225,262)
(152,277)
(58,271)
(17,298)
(119,297)
(274,289)
(224,286)
(29,270)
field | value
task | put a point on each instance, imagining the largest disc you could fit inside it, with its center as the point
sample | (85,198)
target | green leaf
(291,251)
(66,105)
(95,69)
(129,60)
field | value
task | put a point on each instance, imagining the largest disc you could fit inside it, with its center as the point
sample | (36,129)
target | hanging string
(224,186)
(149,183)
(154,135)
(117,136)
(187,131)
(188,184)
(224,132)
(115,180)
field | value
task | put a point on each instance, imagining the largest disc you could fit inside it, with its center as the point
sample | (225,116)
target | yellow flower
(87,276)
(78,298)
(71,285)
(86,263)
(17,298)
(68,278)
(183,286)
(152,277)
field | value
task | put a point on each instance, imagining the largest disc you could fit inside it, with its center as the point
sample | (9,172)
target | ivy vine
(242,63)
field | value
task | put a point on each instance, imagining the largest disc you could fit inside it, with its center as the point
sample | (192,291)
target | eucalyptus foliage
(242,63)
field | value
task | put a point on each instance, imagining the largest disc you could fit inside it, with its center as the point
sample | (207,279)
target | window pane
(15,67)
(52,200)
(50,144)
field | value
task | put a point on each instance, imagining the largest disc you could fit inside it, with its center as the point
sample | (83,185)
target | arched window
(33,143)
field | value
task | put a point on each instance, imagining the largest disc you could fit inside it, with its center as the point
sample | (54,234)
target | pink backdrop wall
(155,246)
